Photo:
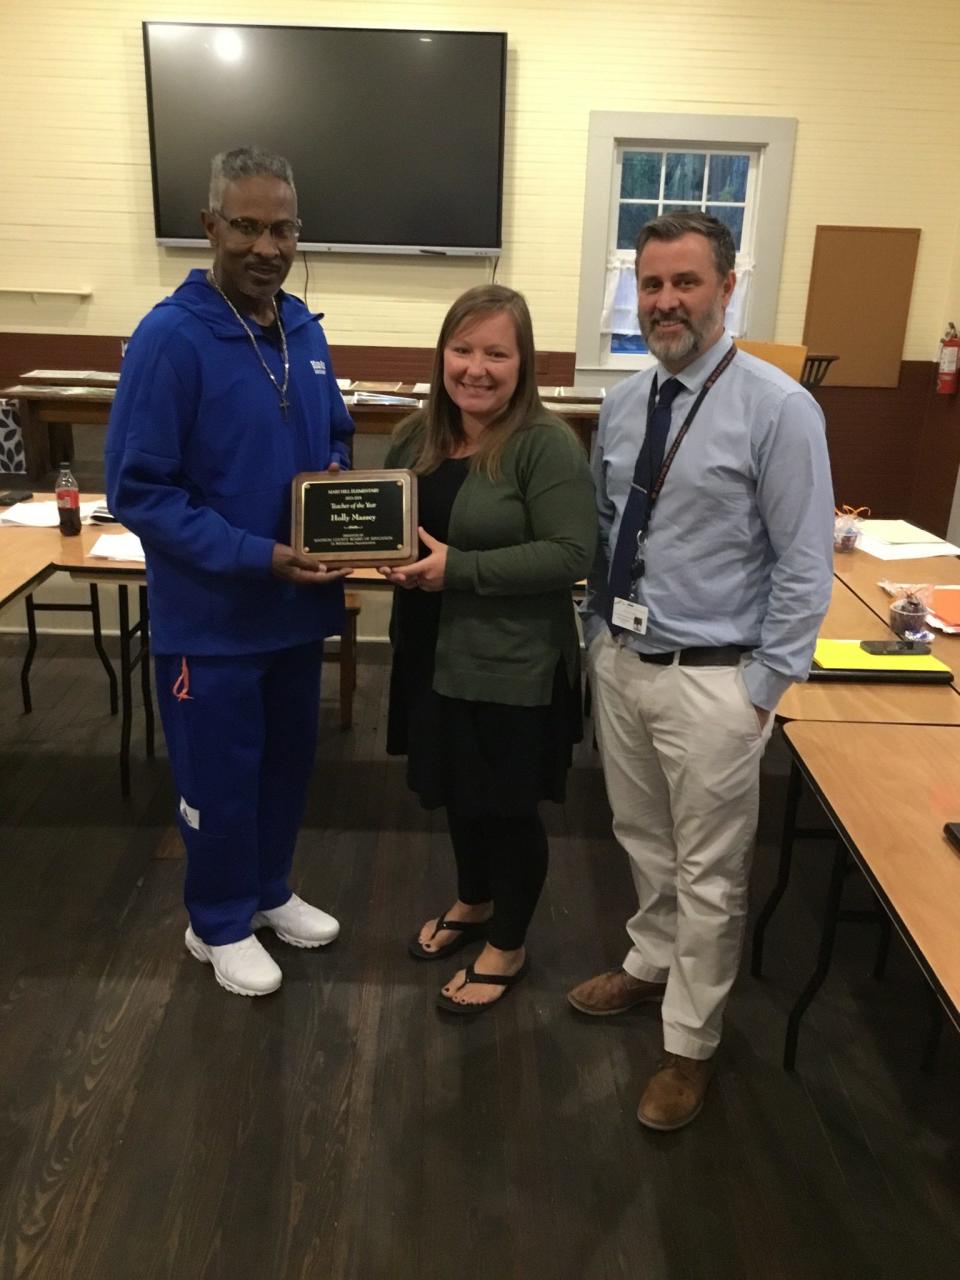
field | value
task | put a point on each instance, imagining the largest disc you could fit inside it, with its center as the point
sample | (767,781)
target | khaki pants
(681,750)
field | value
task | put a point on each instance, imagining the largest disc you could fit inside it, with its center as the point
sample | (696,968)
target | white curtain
(620,297)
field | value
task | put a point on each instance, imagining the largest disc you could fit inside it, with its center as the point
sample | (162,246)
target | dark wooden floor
(153,1126)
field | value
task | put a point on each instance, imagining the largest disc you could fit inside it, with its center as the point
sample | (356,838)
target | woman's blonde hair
(441,420)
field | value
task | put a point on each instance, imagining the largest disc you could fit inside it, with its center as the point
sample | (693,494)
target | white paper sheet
(118,546)
(904,550)
(897,531)
(41,515)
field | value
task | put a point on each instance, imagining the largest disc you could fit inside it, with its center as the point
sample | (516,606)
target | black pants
(503,860)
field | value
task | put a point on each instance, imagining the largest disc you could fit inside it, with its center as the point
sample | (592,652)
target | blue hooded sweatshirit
(199,463)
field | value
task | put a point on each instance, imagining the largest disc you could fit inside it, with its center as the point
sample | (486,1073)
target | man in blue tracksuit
(227,392)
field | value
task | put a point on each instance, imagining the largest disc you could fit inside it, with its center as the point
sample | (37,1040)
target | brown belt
(726,655)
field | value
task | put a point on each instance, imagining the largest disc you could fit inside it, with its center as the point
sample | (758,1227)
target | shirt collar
(695,375)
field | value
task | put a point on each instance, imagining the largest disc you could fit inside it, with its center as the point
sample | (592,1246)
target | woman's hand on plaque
(398,577)
(294,567)
(428,573)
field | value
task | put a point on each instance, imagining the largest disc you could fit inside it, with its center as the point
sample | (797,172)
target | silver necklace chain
(281,389)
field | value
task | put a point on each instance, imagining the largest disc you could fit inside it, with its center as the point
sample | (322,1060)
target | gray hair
(245,162)
(671,226)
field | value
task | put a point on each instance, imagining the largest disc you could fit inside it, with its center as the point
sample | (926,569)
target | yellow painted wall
(873,84)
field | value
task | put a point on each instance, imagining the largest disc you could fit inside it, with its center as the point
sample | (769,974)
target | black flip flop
(468,931)
(494,979)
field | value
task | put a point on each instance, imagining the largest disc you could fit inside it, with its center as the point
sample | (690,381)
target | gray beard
(692,338)
(676,350)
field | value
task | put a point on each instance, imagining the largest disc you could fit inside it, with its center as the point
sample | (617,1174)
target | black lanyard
(654,492)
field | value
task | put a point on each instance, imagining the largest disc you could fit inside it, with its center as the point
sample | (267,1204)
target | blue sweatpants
(241,749)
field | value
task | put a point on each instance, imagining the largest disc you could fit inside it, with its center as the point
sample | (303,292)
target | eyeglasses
(287,230)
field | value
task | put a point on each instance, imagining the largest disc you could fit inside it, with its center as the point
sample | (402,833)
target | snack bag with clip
(846,527)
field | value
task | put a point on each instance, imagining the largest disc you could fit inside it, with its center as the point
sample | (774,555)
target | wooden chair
(347,658)
(790,359)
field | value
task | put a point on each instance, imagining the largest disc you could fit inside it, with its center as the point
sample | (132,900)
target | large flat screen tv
(395,137)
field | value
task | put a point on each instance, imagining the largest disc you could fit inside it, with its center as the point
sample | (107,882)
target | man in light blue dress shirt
(693,636)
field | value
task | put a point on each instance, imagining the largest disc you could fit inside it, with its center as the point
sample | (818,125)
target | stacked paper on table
(377,397)
(585,394)
(900,540)
(41,515)
(118,546)
(72,376)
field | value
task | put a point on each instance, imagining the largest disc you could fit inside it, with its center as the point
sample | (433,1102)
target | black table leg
(932,1044)
(883,945)
(145,669)
(794,789)
(123,604)
(831,914)
(28,659)
(98,645)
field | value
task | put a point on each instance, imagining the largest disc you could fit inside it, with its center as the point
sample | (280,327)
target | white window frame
(611,133)
(627,360)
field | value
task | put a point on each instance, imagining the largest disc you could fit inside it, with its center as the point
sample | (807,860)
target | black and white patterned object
(11,441)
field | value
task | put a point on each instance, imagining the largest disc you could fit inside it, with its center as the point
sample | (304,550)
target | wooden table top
(848,618)
(25,559)
(862,573)
(890,788)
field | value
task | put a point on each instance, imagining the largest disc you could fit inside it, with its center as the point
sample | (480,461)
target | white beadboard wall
(873,84)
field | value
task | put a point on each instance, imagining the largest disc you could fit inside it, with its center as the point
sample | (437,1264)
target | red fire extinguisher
(949,365)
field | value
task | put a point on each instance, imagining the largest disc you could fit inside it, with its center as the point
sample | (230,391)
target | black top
(416,617)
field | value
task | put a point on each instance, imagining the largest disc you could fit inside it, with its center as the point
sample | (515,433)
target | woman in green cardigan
(485,688)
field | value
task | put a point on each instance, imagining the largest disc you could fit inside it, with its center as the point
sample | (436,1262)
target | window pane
(632,218)
(684,179)
(627,343)
(732,216)
(728,178)
(640,176)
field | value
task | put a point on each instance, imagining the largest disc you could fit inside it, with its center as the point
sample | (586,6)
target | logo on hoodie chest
(318,367)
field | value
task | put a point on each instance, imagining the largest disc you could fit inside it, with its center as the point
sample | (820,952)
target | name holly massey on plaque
(357,518)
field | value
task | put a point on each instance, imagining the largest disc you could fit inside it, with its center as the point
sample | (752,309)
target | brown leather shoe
(613,992)
(674,1096)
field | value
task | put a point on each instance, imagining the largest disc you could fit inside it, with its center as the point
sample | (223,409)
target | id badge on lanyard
(630,615)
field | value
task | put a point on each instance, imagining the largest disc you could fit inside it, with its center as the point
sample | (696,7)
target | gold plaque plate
(356,518)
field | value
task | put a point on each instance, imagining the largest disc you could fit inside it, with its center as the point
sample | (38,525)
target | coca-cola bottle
(68,501)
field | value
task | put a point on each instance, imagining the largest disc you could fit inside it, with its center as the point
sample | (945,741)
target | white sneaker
(243,967)
(298,923)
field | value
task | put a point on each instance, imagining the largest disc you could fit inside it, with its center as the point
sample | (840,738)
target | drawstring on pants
(181,686)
